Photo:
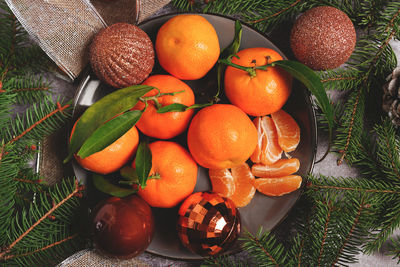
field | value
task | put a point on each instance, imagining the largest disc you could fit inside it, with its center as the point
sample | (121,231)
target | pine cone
(391,96)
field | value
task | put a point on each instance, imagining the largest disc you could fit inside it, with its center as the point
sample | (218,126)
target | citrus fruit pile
(225,138)
(276,135)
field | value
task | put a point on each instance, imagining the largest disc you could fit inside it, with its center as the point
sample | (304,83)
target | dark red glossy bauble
(123,227)
(208,224)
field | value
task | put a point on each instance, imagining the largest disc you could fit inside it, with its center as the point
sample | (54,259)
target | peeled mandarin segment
(268,150)
(256,156)
(222,182)
(278,186)
(245,190)
(288,130)
(282,167)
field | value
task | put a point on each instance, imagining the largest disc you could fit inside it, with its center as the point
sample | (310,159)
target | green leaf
(109,132)
(143,163)
(172,107)
(181,107)
(103,110)
(129,173)
(311,80)
(103,185)
(233,48)
(200,105)
(228,51)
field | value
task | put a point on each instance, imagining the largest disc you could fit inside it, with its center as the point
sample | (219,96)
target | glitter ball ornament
(323,38)
(123,227)
(208,224)
(121,55)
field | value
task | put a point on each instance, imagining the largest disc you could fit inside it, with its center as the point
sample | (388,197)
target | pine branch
(28,89)
(265,249)
(295,255)
(27,186)
(322,185)
(221,261)
(8,187)
(6,101)
(377,155)
(337,230)
(394,248)
(374,69)
(341,79)
(388,222)
(381,198)
(387,151)
(50,218)
(39,121)
(265,15)
(8,257)
(369,12)
(351,126)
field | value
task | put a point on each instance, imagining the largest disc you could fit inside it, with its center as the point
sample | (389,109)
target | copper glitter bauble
(323,38)
(208,224)
(123,227)
(122,55)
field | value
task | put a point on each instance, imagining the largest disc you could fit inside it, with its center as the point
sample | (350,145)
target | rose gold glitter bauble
(323,38)
(122,55)
(208,224)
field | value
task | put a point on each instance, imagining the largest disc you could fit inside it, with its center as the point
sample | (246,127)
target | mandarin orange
(282,167)
(170,124)
(236,184)
(221,136)
(244,183)
(113,157)
(222,182)
(177,171)
(262,94)
(187,46)
(278,186)
(267,150)
(288,130)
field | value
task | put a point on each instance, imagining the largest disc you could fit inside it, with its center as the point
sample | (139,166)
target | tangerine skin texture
(187,46)
(178,172)
(263,94)
(221,136)
(170,124)
(113,157)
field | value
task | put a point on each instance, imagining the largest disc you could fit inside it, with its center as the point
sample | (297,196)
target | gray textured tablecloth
(326,167)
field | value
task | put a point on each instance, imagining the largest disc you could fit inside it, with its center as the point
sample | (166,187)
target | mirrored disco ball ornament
(208,224)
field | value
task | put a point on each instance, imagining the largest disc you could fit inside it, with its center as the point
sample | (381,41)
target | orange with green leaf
(257,92)
(172,177)
(168,90)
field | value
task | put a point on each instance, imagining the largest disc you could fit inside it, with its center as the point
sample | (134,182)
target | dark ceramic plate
(262,211)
